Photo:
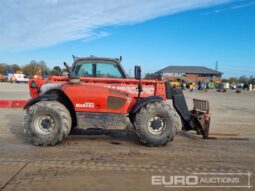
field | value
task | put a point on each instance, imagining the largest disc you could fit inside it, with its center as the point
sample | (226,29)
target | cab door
(97,105)
(92,95)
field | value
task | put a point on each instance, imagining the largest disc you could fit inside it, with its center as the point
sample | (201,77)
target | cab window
(108,70)
(98,70)
(84,70)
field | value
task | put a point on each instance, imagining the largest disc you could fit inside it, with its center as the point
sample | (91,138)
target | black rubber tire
(206,131)
(145,114)
(61,117)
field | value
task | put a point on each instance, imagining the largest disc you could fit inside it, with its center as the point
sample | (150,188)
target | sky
(149,33)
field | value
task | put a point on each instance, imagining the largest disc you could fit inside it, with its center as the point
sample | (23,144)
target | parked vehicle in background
(201,85)
(3,78)
(223,87)
(210,85)
(175,84)
(233,86)
(18,78)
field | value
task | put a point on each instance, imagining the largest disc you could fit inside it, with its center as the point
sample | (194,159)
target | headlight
(34,85)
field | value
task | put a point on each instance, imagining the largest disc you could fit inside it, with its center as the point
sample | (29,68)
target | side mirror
(34,85)
(138,72)
(68,68)
(72,77)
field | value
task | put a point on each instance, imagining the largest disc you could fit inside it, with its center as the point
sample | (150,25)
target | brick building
(193,73)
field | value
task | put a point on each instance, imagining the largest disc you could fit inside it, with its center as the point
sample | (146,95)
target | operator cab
(95,67)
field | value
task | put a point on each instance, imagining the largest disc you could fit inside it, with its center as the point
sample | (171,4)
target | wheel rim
(44,124)
(156,125)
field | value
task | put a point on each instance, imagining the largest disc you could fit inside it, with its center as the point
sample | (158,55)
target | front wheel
(47,123)
(155,124)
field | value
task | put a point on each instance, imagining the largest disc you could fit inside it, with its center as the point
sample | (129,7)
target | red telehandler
(97,93)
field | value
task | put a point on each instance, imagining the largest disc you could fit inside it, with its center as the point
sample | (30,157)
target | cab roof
(95,58)
(104,59)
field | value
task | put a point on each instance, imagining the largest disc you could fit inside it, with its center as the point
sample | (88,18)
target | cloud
(249,4)
(238,4)
(32,24)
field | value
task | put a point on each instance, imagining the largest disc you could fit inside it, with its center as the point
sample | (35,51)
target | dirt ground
(96,160)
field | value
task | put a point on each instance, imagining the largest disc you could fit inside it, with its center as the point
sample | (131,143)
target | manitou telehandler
(97,93)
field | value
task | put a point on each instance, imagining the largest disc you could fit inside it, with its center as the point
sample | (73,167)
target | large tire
(47,123)
(164,118)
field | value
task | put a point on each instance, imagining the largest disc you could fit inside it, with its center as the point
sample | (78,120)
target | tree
(6,68)
(29,69)
(224,80)
(45,70)
(232,80)
(33,67)
(1,68)
(150,76)
(15,67)
(9,67)
(251,80)
(243,79)
(56,71)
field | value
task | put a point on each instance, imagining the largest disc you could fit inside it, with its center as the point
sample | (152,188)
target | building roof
(188,69)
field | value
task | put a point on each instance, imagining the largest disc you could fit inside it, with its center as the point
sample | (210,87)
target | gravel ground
(13,91)
(92,160)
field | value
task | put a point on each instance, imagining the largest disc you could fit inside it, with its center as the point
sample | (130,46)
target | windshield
(98,70)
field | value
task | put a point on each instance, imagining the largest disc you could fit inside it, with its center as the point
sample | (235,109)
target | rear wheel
(47,123)
(155,124)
